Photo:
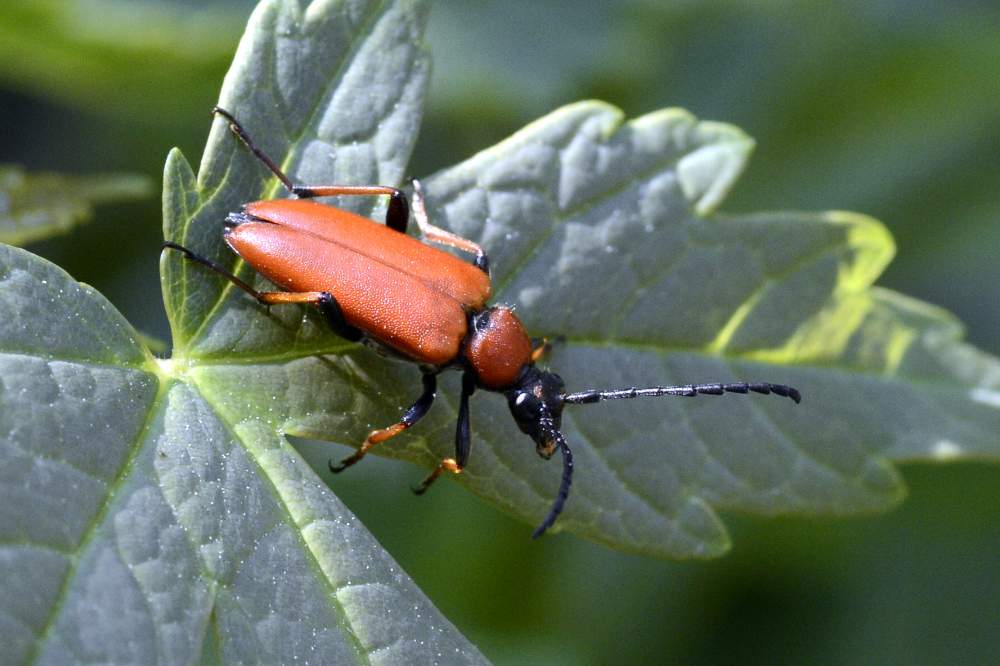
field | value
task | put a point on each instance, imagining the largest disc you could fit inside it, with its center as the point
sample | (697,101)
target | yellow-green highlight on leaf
(34,206)
(867,249)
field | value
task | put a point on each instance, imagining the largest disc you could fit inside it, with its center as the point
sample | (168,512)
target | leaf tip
(708,173)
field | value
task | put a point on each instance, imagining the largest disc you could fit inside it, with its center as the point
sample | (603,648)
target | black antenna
(567,479)
(593,395)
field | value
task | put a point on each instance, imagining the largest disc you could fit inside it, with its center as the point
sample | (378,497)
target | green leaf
(38,205)
(141,524)
(207,528)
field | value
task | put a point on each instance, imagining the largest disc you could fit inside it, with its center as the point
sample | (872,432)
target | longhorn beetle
(374,283)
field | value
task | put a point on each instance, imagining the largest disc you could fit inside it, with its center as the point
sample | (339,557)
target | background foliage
(884,108)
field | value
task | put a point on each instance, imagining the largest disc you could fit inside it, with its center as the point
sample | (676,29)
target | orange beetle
(373,282)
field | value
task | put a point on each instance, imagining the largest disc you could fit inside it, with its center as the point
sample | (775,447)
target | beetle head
(536,403)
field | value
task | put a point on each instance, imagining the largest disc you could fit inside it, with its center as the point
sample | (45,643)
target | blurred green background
(891,108)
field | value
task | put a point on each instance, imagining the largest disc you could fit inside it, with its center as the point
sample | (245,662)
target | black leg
(396,217)
(463,434)
(334,316)
(416,412)
(463,438)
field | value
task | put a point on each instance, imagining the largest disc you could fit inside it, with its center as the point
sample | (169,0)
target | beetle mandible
(374,283)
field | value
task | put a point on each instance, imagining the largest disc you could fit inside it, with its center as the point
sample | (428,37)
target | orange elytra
(373,282)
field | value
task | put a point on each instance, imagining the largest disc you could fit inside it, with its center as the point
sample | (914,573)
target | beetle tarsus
(463,438)
(448,464)
(373,438)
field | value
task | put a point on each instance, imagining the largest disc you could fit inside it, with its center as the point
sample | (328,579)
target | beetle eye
(525,406)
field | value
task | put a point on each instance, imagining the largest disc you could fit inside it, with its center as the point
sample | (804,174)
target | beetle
(374,283)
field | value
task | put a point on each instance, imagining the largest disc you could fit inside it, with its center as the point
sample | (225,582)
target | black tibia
(330,309)
(397,216)
(584,397)
(463,434)
(423,404)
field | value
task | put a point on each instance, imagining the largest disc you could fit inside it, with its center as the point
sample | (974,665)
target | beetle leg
(541,346)
(463,438)
(416,412)
(330,309)
(324,302)
(396,216)
(442,237)
(448,464)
